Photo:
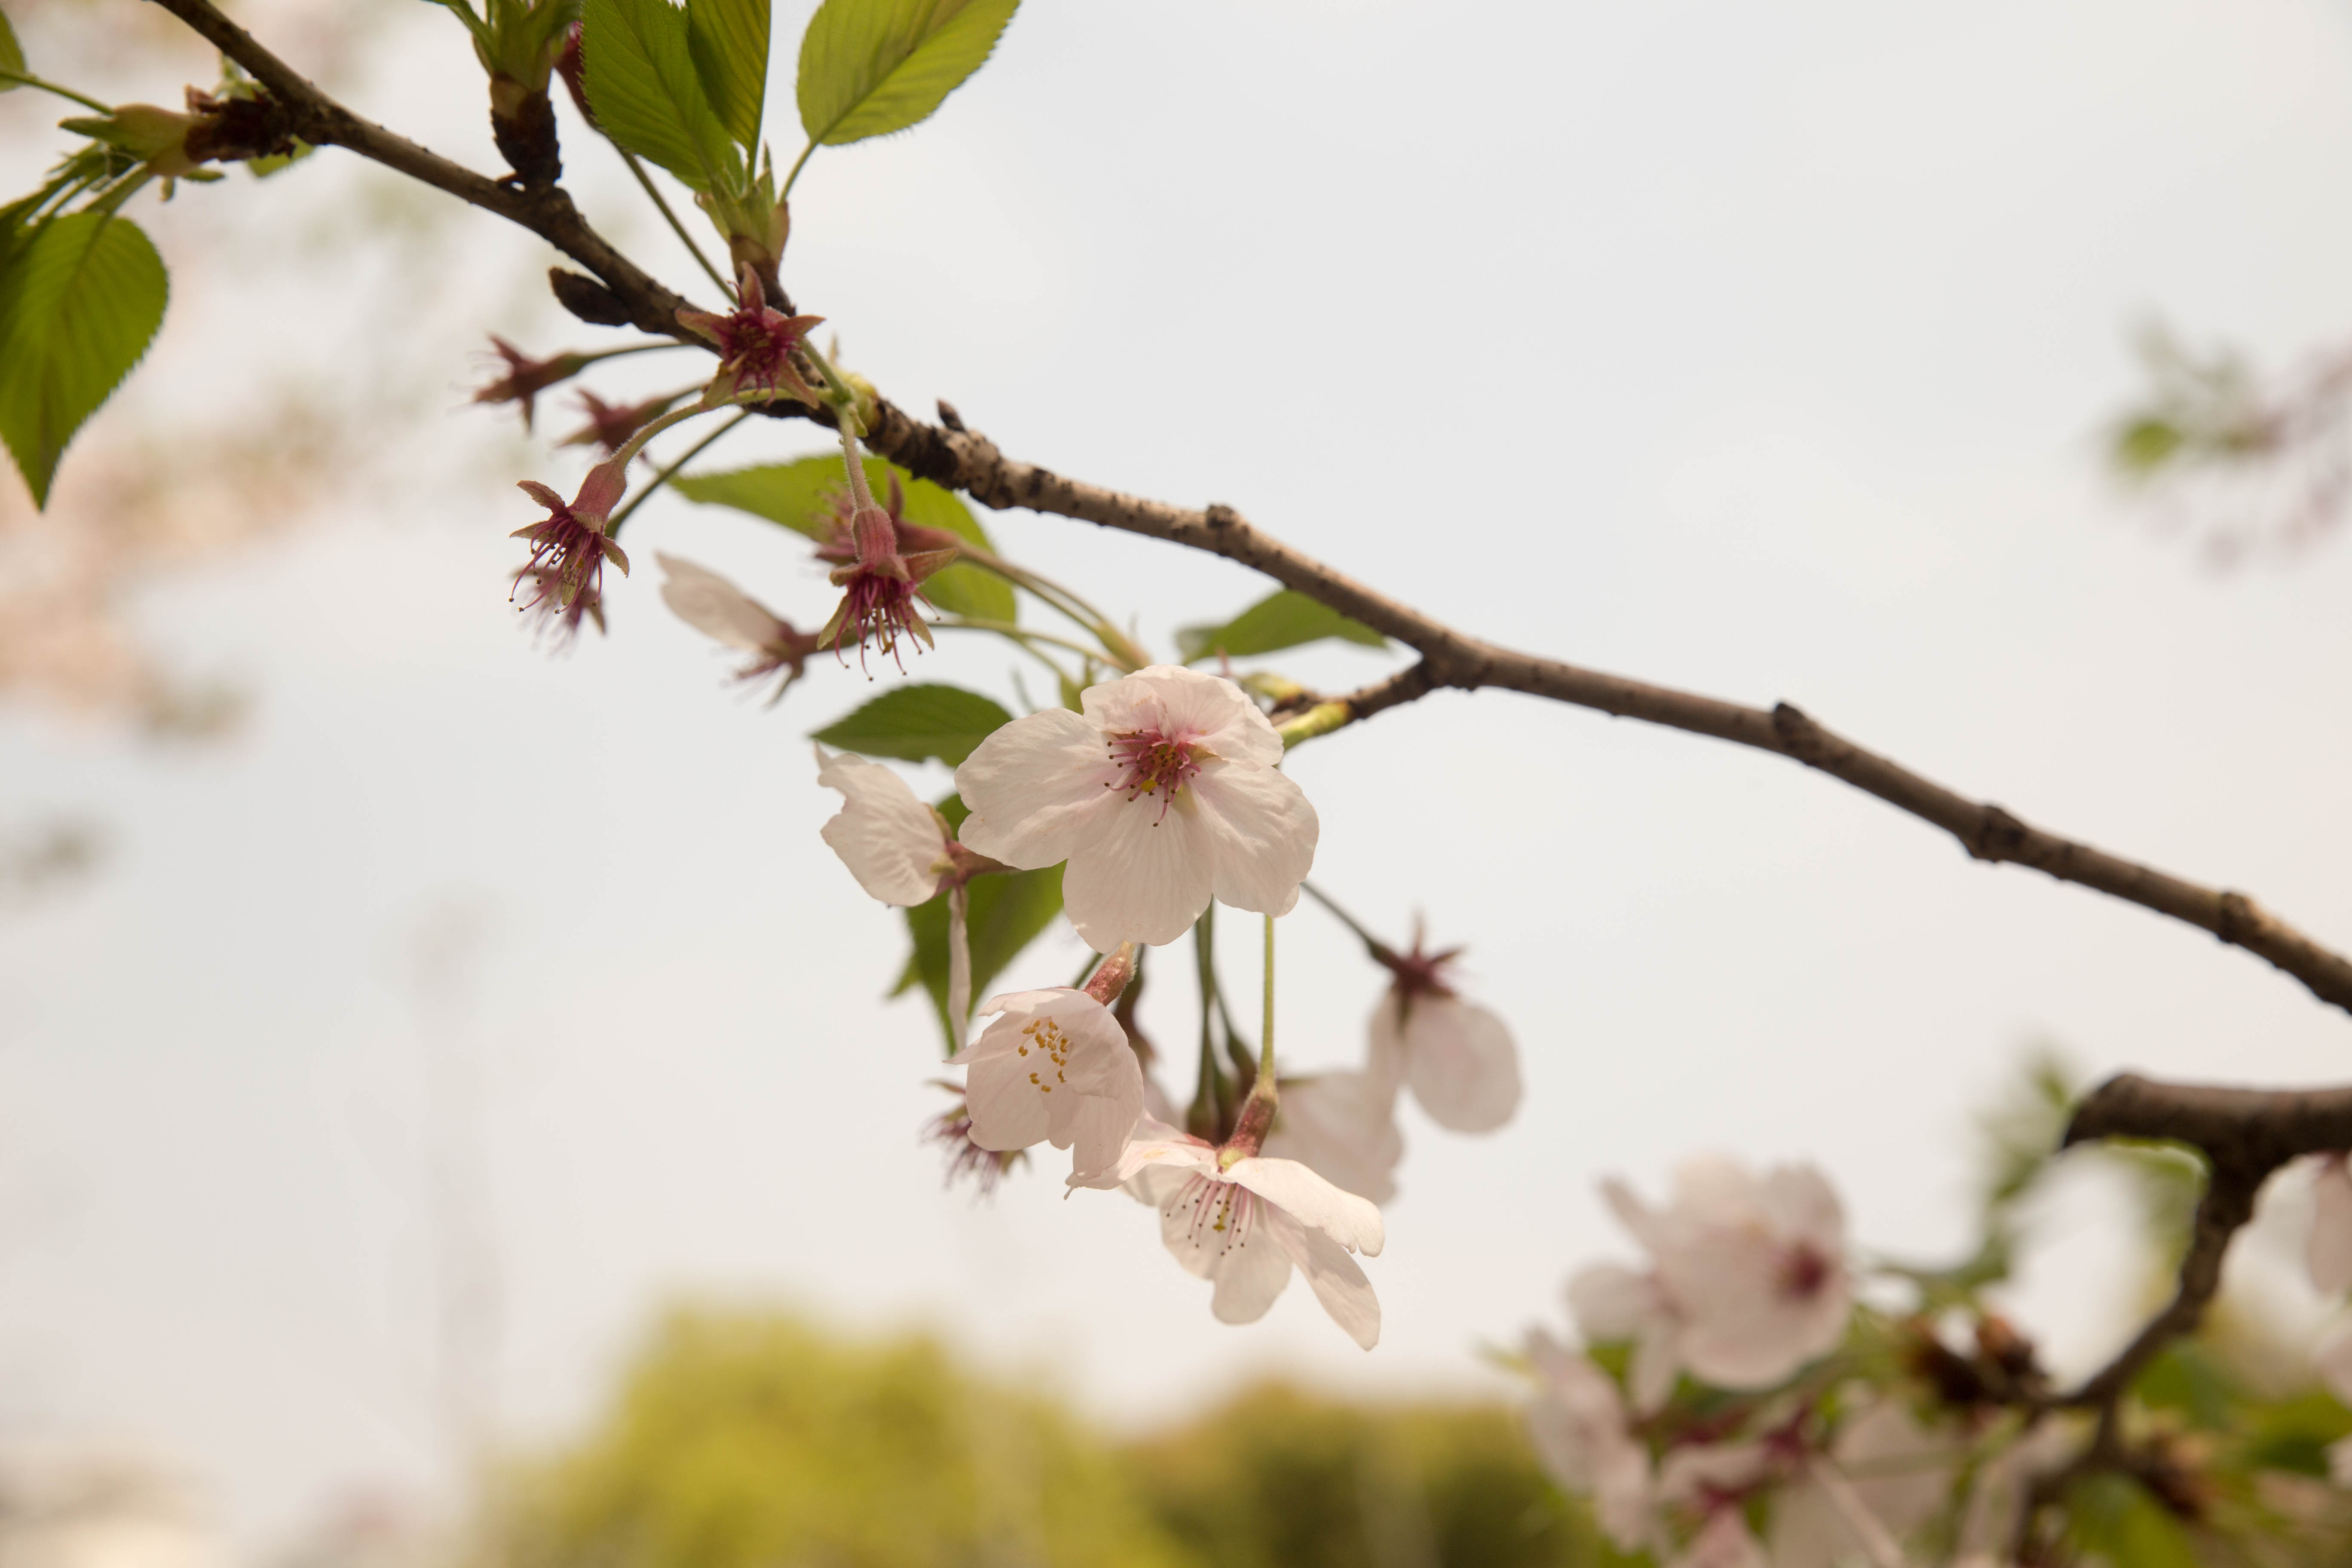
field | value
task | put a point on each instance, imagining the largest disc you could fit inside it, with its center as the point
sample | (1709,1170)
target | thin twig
(725,289)
(663,476)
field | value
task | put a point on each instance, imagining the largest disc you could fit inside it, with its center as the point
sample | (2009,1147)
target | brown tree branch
(963,459)
(547,211)
(2244,1134)
(960,458)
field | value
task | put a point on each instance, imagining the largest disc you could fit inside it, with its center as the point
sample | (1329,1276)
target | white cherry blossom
(1577,1422)
(1055,1068)
(2328,1251)
(1246,1225)
(1162,793)
(1748,1279)
(1342,1126)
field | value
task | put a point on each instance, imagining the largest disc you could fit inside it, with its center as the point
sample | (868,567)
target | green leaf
(915,723)
(799,495)
(78,305)
(2115,1518)
(11,53)
(872,67)
(1284,620)
(728,41)
(648,96)
(1009,910)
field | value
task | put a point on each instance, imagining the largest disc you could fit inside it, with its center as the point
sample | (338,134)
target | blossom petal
(1253,1266)
(1342,1126)
(1188,702)
(1351,1221)
(1155,1145)
(715,606)
(1007,1111)
(1461,1062)
(1613,1302)
(1337,1279)
(2328,1253)
(1037,789)
(891,841)
(1261,831)
(1145,879)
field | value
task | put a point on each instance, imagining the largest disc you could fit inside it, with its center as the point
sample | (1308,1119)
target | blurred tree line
(751,1439)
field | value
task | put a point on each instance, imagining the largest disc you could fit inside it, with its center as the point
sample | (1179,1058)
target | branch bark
(963,459)
(547,210)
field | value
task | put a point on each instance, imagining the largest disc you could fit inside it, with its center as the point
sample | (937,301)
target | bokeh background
(394,1019)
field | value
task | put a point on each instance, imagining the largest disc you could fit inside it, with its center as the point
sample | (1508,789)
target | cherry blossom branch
(545,210)
(952,454)
(2244,1134)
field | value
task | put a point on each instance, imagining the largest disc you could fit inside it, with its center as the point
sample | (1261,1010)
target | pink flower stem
(861,494)
(1111,976)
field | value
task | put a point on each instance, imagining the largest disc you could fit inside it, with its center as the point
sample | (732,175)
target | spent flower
(880,563)
(1163,793)
(565,574)
(526,377)
(756,344)
(610,425)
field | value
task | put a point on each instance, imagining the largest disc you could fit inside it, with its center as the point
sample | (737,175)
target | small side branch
(547,211)
(2245,1134)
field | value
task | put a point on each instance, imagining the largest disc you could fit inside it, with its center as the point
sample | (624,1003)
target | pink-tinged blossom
(724,612)
(1244,1224)
(1458,1058)
(1054,1068)
(610,425)
(565,574)
(1577,1422)
(526,377)
(755,344)
(1748,1279)
(880,563)
(1163,793)
(1342,1126)
(2329,1250)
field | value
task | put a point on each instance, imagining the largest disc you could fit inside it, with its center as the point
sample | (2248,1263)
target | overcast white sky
(1760,349)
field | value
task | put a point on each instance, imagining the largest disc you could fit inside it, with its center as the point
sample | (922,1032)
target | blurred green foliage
(753,1440)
